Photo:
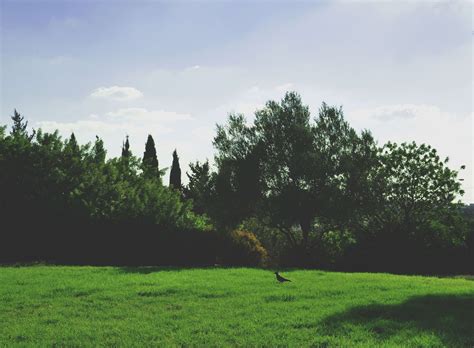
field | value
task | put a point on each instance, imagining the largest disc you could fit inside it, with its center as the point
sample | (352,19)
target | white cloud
(194,67)
(450,133)
(57,60)
(113,126)
(144,115)
(286,87)
(401,111)
(253,99)
(117,93)
(204,133)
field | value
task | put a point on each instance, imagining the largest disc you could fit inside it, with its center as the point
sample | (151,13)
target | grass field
(89,306)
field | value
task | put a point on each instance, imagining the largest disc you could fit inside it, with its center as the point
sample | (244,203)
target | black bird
(281,279)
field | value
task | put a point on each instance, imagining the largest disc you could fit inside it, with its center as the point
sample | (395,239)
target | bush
(334,245)
(242,248)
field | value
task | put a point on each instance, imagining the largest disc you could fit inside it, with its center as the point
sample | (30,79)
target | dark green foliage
(19,127)
(126,153)
(150,160)
(200,187)
(2,132)
(98,152)
(63,202)
(292,172)
(309,191)
(415,211)
(175,173)
(333,195)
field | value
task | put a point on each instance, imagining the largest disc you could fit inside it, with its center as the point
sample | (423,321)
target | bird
(281,279)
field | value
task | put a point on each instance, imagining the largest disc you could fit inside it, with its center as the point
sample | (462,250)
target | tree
(414,186)
(200,187)
(343,175)
(413,223)
(289,165)
(297,171)
(19,128)
(73,163)
(175,173)
(2,132)
(126,153)
(98,151)
(150,160)
(71,145)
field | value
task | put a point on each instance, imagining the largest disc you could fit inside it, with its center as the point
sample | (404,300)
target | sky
(175,69)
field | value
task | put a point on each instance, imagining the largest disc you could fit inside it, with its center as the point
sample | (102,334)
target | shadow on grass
(153,269)
(147,269)
(448,317)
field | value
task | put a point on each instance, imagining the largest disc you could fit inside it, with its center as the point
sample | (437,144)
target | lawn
(90,306)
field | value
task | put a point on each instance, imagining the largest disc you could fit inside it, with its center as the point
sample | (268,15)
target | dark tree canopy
(19,128)
(200,187)
(317,178)
(415,186)
(150,160)
(126,152)
(175,173)
(301,188)
(293,169)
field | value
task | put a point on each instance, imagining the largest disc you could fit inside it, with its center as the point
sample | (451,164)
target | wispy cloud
(145,115)
(117,93)
(285,87)
(449,132)
(113,126)
(57,60)
(65,22)
(402,111)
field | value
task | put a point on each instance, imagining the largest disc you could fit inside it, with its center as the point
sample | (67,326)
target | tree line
(288,189)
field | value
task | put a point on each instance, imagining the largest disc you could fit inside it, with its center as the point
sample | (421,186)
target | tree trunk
(305,224)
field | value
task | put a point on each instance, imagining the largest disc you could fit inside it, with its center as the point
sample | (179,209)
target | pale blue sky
(174,69)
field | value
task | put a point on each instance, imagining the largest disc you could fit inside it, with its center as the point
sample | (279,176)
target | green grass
(90,306)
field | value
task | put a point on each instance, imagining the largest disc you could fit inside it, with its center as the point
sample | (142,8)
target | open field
(84,306)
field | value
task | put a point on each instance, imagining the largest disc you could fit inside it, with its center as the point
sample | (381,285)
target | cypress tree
(175,174)
(126,153)
(150,160)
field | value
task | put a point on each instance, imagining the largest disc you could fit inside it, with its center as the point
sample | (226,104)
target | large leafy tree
(415,186)
(288,165)
(413,222)
(343,176)
(237,181)
(296,170)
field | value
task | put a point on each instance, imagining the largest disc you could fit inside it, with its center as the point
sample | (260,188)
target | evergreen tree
(150,160)
(200,187)
(72,144)
(19,126)
(175,174)
(98,151)
(126,153)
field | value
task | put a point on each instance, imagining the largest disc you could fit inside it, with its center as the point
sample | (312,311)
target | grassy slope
(44,305)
